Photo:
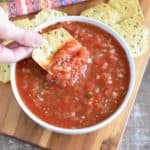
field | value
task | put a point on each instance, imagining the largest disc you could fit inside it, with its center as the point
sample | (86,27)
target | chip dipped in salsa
(69,65)
(94,97)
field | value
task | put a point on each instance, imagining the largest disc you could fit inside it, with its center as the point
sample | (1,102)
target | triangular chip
(4,73)
(63,57)
(127,8)
(135,34)
(47,14)
(102,12)
(25,23)
(55,40)
(41,17)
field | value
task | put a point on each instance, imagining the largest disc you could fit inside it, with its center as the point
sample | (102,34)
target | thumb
(26,37)
(22,36)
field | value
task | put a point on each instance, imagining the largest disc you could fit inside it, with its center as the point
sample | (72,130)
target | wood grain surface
(14,122)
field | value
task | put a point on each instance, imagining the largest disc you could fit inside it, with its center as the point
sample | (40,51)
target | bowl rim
(100,124)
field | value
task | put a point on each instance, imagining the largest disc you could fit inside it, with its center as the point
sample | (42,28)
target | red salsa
(68,65)
(89,92)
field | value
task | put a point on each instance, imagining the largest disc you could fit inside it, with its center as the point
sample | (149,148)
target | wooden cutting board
(14,122)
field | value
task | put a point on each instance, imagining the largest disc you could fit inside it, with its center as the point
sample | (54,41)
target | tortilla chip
(47,14)
(55,40)
(4,73)
(25,23)
(127,8)
(102,12)
(43,16)
(135,34)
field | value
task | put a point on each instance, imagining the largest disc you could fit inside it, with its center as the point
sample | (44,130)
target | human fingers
(8,55)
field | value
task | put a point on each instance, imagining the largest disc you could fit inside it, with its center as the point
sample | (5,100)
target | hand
(25,41)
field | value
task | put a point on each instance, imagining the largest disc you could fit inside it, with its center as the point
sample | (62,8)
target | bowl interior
(98,125)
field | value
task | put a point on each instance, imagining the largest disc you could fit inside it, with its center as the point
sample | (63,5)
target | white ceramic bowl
(98,125)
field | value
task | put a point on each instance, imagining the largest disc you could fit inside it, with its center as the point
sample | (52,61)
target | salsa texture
(68,65)
(97,94)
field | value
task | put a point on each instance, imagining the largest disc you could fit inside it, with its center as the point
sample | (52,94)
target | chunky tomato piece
(69,64)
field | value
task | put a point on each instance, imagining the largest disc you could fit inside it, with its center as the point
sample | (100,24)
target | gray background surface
(137,134)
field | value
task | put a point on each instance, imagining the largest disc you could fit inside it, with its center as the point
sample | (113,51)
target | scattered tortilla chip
(4,73)
(47,14)
(127,8)
(135,34)
(43,16)
(126,17)
(55,40)
(103,12)
(25,23)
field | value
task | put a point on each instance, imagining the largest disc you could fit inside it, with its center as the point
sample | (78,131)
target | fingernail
(38,40)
